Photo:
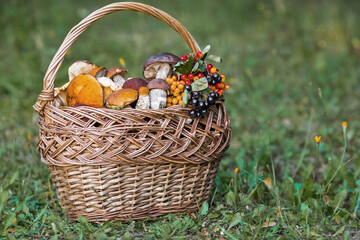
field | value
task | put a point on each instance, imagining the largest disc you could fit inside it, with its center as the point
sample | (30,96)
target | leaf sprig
(193,66)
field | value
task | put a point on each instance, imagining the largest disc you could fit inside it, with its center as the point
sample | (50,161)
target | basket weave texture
(110,165)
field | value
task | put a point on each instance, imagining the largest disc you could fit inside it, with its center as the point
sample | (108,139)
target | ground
(294,73)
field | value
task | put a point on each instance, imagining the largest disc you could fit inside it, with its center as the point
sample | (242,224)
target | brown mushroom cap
(86,90)
(116,70)
(160,58)
(98,72)
(122,97)
(158,83)
(134,83)
(108,86)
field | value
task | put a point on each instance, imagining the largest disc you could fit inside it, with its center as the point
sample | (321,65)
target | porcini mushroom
(98,72)
(80,67)
(117,74)
(144,99)
(134,83)
(60,95)
(121,98)
(108,86)
(159,66)
(158,93)
(86,90)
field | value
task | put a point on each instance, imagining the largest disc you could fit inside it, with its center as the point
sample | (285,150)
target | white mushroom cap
(80,67)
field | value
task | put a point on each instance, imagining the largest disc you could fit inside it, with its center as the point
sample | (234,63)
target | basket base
(119,192)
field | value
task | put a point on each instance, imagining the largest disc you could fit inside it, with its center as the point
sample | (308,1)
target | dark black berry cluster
(213,79)
(201,103)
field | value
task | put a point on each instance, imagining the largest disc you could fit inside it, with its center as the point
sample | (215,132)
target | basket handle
(47,94)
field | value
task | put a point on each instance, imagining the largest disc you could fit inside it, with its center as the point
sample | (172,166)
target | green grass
(294,71)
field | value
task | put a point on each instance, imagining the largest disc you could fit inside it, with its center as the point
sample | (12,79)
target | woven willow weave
(110,165)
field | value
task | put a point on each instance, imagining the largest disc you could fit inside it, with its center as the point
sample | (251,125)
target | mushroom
(108,86)
(80,67)
(60,95)
(98,72)
(86,90)
(144,99)
(134,83)
(158,93)
(121,98)
(117,74)
(159,66)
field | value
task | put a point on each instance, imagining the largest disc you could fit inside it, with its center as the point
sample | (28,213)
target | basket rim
(67,139)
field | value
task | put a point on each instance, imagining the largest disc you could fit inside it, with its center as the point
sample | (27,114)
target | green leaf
(206,49)
(126,236)
(202,65)
(214,58)
(84,222)
(237,218)
(9,220)
(199,85)
(314,234)
(26,210)
(339,231)
(308,188)
(184,67)
(204,208)
(10,236)
(259,209)
(212,215)
(313,203)
(305,211)
(100,236)
(230,198)
(4,196)
(297,189)
(195,68)
(114,107)
(339,199)
(289,188)
(354,200)
(205,93)
(14,177)
(186,98)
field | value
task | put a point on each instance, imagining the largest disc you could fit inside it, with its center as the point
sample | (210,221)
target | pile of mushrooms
(156,69)
(89,85)
(97,87)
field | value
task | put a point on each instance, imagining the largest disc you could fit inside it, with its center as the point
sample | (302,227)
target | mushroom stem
(163,71)
(118,79)
(157,98)
(143,102)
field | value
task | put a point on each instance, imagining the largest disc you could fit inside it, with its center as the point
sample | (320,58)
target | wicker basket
(110,165)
